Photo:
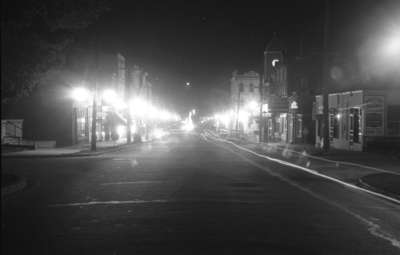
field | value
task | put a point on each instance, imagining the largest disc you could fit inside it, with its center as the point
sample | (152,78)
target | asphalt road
(186,195)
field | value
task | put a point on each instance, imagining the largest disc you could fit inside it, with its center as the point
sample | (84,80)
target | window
(241,87)
(356,134)
(333,124)
(393,116)
(299,126)
(251,87)
(355,125)
(336,126)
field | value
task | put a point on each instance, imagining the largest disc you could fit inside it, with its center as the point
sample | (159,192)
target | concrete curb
(365,185)
(12,188)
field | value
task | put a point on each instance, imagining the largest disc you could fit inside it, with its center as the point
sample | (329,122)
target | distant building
(140,86)
(111,74)
(361,119)
(289,86)
(245,93)
(278,124)
(11,131)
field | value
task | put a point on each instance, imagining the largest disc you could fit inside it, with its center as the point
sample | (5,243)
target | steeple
(274,44)
(273,57)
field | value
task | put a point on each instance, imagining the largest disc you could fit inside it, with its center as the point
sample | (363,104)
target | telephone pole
(93,142)
(237,113)
(325,77)
(127,97)
(261,122)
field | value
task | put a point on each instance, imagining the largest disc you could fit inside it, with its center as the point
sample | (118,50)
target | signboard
(278,104)
(374,115)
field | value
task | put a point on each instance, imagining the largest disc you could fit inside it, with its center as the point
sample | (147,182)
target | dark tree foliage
(35,36)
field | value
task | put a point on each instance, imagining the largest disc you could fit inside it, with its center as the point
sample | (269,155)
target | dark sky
(204,41)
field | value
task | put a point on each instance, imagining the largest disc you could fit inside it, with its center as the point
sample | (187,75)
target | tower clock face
(274,62)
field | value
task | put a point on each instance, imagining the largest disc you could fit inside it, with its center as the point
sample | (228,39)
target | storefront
(358,118)
(284,121)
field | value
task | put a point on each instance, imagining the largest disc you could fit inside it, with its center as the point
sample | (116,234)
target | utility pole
(237,113)
(127,97)
(260,123)
(94,120)
(325,77)
(93,145)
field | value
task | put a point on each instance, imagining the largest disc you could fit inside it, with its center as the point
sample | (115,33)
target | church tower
(273,58)
(275,82)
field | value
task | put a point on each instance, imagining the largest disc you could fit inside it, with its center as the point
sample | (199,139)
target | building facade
(245,100)
(289,86)
(360,120)
(282,122)
(140,86)
(111,76)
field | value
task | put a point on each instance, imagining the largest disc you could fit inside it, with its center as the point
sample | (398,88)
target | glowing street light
(121,130)
(110,96)
(80,94)
(252,106)
(391,46)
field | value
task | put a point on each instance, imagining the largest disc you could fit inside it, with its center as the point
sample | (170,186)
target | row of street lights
(241,115)
(136,108)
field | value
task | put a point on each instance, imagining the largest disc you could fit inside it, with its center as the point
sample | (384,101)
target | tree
(35,37)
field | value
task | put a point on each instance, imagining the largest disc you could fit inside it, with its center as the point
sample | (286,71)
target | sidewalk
(11,183)
(376,172)
(75,150)
(376,160)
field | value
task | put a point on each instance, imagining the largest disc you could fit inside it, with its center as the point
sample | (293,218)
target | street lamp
(391,46)
(80,94)
(293,108)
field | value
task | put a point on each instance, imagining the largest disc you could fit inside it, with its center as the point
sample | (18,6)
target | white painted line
(110,203)
(132,182)
(311,172)
(123,202)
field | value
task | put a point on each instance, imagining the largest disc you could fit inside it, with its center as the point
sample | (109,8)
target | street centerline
(131,182)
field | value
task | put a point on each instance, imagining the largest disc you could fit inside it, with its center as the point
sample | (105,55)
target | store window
(299,126)
(393,116)
(334,124)
(251,87)
(355,125)
(241,87)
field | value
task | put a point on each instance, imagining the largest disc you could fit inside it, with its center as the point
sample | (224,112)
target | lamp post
(237,113)
(325,93)
(293,108)
(93,144)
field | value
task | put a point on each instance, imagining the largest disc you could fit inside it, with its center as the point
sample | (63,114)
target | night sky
(204,41)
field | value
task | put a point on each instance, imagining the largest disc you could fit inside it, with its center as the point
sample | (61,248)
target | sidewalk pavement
(376,160)
(11,183)
(75,150)
(377,172)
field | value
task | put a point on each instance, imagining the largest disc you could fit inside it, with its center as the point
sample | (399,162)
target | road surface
(188,195)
